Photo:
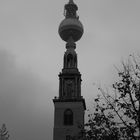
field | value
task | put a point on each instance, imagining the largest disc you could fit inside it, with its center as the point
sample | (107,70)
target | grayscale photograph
(69,70)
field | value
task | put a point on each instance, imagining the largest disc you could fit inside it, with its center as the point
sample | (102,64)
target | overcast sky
(31,56)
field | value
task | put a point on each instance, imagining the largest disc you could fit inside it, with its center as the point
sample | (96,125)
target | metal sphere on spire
(71,27)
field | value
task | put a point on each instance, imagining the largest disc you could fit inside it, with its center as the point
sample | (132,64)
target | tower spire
(70,30)
(71,2)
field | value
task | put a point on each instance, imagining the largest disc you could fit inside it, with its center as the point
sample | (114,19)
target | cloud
(25,101)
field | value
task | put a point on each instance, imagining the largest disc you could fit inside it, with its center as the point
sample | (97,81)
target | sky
(31,57)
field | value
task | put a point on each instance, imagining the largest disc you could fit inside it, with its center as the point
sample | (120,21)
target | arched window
(68,117)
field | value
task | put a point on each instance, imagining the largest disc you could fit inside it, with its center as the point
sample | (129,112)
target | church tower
(69,105)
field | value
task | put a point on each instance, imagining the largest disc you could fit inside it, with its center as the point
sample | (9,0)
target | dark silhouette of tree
(117,114)
(4,133)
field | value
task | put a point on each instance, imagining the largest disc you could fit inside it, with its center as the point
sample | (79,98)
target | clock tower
(69,105)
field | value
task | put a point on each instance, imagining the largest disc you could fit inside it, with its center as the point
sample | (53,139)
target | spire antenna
(71,25)
(71,1)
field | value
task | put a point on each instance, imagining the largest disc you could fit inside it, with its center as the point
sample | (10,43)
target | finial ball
(71,27)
